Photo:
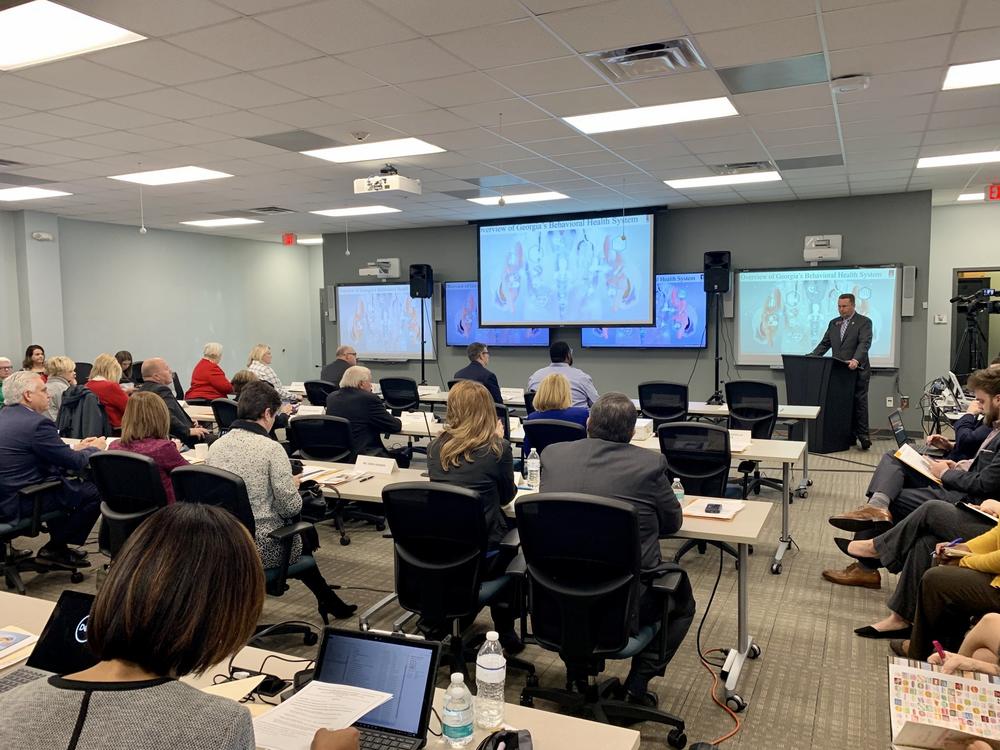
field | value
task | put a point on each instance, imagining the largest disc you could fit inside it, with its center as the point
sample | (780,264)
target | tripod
(972,339)
(717,397)
(423,340)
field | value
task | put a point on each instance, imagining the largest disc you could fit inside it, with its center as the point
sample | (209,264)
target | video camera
(972,304)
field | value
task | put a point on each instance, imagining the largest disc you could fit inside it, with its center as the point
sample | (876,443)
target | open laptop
(62,647)
(899,432)
(402,666)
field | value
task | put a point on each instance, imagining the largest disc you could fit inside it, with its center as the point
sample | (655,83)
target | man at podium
(850,336)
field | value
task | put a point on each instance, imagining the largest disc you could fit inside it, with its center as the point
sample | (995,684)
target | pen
(953,542)
(365,479)
(940,651)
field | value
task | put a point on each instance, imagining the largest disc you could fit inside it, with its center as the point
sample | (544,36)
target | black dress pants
(859,419)
(949,597)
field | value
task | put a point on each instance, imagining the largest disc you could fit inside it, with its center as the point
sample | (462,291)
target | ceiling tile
(336,26)
(76,149)
(180,133)
(890,57)
(244,44)
(543,77)
(548,6)
(873,110)
(965,118)
(253,7)
(174,104)
(582,101)
(47,123)
(422,123)
(800,151)
(241,124)
(158,61)
(881,143)
(889,126)
(980,14)
(680,87)
(242,90)
(745,143)
(983,96)
(85,77)
(712,15)
(440,16)
(776,100)
(154,17)
(110,115)
(379,102)
(307,113)
(610,25)
(585,159)
(974,46)
(502,44)
(322,76)
(406,61)
(542,130)
(453,91)
(797,136)
(487,113)
(796,118)
(559,146)
(878,23)
(17,90)
(16,136)
(127,142)
(777,40)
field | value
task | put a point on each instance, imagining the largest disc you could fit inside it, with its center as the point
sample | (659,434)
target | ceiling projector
(386,180)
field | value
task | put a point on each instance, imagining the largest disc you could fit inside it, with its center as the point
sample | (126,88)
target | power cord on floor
(709,664)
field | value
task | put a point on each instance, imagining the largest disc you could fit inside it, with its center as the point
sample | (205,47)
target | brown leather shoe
(863,518)
(854,575)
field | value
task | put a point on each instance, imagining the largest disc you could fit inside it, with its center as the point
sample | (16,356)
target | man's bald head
(157,370)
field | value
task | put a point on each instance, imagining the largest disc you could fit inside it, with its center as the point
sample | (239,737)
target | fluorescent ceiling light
(974,74)
(29,194)
(230,222)
(519,198)
(357,211)
(647,117)
(380,150)
(40,31)
(959,160)
(310,241)
(972,196)
(171,176)
(723,179)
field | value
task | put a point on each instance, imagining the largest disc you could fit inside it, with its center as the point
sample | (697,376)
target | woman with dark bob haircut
(183,595)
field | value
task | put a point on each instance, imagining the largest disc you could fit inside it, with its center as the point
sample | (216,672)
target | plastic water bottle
(456,719)
(491,674)
(534,463)
(678,489)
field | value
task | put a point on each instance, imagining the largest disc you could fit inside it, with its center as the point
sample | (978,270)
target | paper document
(16,645)
(427,390)
(319,705)
(333,477)
(727,511)
(511,394)
(235,690)
(979,511)
(739,440)
(909,456)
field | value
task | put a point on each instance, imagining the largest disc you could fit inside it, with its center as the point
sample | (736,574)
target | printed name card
(376,465)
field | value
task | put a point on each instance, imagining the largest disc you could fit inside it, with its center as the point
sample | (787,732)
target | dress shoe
(872,562)
(334,605)
(854,575)
(63,556)
(862,519)
(647,699)
(869,632)
(865,443)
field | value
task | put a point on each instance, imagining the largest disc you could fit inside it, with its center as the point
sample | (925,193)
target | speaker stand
(423,357)
(717,397)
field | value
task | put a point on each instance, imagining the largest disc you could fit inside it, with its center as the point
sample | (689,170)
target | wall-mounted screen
(461,307)
(680,318)
(576,272)
(787,311)
(381,321)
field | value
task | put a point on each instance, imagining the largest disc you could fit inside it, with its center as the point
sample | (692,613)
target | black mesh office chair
(400,394)
(322,438)
(451,383)
(503,414)
(584,600)
(83,372)
(224,410)
(136,372)
(318,390)
(529,402)
(178,389)
(211,486)
(663,402)
(131,491)
(542,433)
(753,405)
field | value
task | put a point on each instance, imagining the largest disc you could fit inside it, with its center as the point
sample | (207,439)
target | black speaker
(421,281)
(717,271)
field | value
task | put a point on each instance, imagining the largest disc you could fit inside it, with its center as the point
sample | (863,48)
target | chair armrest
(511,540)
(291,530)
(36,494)
(285,536)
(667,583)
(665,580)
(517,567)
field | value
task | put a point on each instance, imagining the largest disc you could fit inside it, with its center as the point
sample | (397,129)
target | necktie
(843,327)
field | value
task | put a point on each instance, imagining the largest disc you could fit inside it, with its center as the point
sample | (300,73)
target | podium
(829,384)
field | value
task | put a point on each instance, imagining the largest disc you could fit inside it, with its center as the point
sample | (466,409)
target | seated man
(157,378)
(605,464)
(581,385)
(347,356)
(479,357)
(31,451)
(895,490)
(355,402)
(6,368)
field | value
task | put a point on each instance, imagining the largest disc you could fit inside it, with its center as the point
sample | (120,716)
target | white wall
(962,237)
(10,312)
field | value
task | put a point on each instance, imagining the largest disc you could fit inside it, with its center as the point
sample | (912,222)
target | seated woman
(125,360)
(103,381)
(248,451)
(34,360)
(259,363)
(472,453)
(979,652)
(183,596)
(208,381)
(553,400)
(146,430)
(62,374)
(240,380)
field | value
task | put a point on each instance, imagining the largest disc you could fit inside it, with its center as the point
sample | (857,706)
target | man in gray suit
(850,337)
(606,464)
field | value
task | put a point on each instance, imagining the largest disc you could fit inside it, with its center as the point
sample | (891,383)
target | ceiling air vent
(746,167)
(9,163)
(270,211)
(648,60)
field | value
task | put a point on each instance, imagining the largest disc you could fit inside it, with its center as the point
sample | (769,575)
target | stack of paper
(511,394)
(643,429)
(915,461)
(728,509)
(333,477)
(15,645)
(428,390)
(739,440)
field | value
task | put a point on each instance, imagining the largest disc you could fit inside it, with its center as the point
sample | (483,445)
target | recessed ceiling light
(519,198)
(171,176)
(230,222)
(41,31)
(357,211)
(310,240)
(647,117)
(974,74)
(380,150)
(29,194)
(972,196)
(723,179)
(959,160)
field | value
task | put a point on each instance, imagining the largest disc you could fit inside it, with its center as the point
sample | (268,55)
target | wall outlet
(940,319)
(888,402)
(904,402)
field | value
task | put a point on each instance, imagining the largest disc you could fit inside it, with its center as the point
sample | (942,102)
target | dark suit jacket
(475,371)
(368,416)
(180,422)
(334,371)
(982,480)
(31,451)
(621,471)
(857,341)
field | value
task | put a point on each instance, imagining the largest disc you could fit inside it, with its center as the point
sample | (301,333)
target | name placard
(376,464)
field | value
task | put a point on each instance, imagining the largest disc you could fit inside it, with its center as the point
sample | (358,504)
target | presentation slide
(381,321)
(461,308)
(579,272)
(681,305)
(787,311)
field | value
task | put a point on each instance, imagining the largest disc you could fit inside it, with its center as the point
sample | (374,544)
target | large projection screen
(461,308)
(382,322)
(787,311)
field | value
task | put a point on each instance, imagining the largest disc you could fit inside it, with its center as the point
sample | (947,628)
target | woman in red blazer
(208,381)
(104,377)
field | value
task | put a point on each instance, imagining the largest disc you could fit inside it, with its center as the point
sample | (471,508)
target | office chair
(198,401)
(136,372)
(584,600)
(440,540)
(81,414)
(663,402)
(131,491)
(83,372)
(224,411)
(318,390)
(529,402)
(698,454)
(29,525)
(223,489)
(400,394)
(178,389)
(451,383)
(541,433)
(503,414)
(753,405)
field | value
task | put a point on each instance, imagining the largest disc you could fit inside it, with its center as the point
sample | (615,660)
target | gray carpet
(816,684)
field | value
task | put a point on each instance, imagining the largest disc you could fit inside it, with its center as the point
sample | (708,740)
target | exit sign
(993,192)
(288,238)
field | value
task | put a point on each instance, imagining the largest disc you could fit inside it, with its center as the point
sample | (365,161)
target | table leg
(745,647)
(785,541)
(805,483)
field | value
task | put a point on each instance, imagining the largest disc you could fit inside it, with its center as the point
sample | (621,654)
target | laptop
(404,667)
(899,432)
(62,647)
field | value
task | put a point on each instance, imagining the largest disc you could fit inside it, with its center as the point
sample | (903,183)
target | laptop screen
(62,646)
(401,666)
(898,428)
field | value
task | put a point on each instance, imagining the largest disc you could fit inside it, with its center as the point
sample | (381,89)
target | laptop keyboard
(19,677)
(379,741)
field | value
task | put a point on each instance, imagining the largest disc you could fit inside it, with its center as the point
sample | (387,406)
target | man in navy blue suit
(479,357)
(31,451)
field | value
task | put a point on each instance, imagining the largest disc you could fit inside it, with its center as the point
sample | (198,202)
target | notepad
(16,645)
(739,440)
(979,511)
(909,456)
(727,511)
(333,477)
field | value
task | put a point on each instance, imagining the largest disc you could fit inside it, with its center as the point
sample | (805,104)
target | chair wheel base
(676,738)
(344,541)
(76,577)
(310,639)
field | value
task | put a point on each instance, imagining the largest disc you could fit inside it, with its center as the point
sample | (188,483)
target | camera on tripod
(973,341)
(990,307)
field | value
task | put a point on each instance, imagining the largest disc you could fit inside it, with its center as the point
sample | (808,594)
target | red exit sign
(993,192)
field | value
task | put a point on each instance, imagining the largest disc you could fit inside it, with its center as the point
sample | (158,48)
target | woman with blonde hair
(104,377)
(208,381)
(259,363)
(62,374)
(553,401)
(146,430)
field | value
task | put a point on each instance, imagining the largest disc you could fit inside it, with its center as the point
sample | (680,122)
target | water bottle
(456,719)
(491,672)
(534,469)
(678,489)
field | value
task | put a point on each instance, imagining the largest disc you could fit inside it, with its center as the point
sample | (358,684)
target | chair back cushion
(543,432)
(753,405)
(698,454)
(212,486)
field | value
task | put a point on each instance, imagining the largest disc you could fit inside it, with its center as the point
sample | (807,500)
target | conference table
(549,730)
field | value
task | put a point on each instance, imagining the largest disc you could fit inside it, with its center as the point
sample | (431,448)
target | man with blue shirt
(581,386)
